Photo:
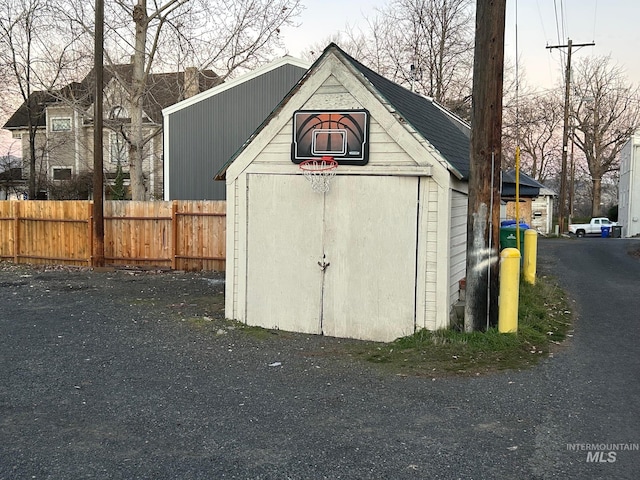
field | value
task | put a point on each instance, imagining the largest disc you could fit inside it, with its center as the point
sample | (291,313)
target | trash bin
(604,232)
(512,223)
(508,238)
(616,231)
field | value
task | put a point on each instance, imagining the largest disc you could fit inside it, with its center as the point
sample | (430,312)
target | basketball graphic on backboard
(340,134)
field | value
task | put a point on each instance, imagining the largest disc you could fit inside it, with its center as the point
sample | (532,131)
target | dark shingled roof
(38,102)
(528,186)
(447,133)
(163,90)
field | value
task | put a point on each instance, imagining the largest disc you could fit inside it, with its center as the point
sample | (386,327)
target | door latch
(323,265)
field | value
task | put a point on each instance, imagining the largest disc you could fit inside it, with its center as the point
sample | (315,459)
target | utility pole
(98,181)
(565,132)
(483,217)
(572,176)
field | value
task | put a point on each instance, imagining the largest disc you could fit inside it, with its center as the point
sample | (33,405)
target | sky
(613,25)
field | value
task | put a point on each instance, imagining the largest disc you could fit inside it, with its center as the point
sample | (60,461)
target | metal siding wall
(204,136)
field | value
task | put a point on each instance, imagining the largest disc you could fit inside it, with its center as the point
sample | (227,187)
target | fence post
(174,235)
(90,229)
(16,230)
(509,290)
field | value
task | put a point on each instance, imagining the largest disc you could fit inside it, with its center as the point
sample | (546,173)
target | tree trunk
(136,137)
(32,163)
(596,210)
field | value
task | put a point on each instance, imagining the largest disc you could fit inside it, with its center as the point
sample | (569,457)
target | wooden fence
(181,235)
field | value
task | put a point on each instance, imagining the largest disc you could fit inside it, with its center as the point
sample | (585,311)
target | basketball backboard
(340,134)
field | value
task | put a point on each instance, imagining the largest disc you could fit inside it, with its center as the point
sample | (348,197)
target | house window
(61,173)
(118,148)
(61,124)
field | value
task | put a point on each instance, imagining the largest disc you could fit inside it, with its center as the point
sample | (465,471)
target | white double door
(341,264)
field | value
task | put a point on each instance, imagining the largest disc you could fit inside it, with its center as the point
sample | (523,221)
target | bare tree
(426,45)
(226,35)
(536,127)
(35,63)
(606,110)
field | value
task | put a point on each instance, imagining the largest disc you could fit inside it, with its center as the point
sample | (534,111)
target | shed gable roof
(528,186)
(447,133)
(441,128)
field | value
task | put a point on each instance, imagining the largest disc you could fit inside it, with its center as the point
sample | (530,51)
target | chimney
(191,82)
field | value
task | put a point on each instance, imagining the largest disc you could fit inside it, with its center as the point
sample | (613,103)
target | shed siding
(458,249)
(435,236)
(431,265)
(541,214)
(203,136)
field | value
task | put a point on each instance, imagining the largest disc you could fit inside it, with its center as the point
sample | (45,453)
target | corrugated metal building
(204,131)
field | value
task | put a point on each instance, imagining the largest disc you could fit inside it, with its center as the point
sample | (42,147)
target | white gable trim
(276,123)
(418,148)
(286,60)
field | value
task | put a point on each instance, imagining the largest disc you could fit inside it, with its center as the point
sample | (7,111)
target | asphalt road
(108,376)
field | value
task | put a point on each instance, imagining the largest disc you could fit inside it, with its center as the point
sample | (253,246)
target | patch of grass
(258,333)
(544,319)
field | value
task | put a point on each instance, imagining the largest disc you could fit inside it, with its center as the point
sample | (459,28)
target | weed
(543,320)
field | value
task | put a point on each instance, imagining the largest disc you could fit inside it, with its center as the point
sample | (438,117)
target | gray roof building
(204,131)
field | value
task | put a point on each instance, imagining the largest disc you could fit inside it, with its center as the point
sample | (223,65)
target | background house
(202,132)
(536,202)
(379,255)
(63,120)
(629,187)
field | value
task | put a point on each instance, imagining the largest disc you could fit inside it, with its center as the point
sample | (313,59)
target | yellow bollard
(509,290)
(530,256)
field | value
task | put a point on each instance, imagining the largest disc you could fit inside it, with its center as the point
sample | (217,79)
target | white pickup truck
(594,227)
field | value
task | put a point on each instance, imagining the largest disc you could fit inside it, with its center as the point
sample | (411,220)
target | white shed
(378,256)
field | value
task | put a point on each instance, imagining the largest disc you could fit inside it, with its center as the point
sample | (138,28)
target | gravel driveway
(136,375)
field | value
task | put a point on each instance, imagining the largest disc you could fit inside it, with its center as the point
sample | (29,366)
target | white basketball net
(319,173)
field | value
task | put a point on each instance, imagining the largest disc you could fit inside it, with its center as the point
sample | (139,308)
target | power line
(563,20)
(544,30)
(595,17)
(555,11)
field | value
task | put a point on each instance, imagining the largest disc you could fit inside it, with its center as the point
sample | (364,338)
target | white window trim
(69,119)
(53,172)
